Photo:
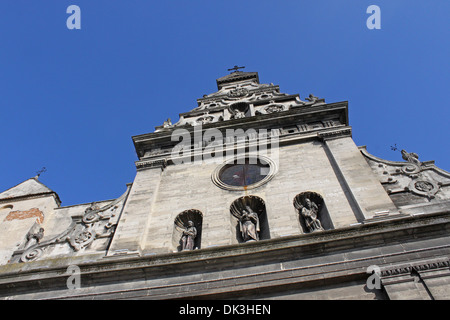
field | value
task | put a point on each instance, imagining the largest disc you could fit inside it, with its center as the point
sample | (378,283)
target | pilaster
(364,192)
(130,234)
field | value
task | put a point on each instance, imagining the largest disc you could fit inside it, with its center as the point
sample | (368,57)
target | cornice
(335,134)
(151,164)
(268,121)
(418,266)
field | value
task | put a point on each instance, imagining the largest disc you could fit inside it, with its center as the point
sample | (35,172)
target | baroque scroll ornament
(238,92)
(31,254)
(424,187)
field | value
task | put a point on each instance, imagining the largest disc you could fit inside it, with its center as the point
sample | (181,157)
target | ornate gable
(239,95)
(411,182)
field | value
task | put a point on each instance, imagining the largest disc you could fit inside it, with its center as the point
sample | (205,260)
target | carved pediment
(95,223)
(420,179)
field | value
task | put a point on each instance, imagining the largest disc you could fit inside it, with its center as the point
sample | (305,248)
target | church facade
(253,194)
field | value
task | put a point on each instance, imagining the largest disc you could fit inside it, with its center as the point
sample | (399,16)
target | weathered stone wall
(302,167)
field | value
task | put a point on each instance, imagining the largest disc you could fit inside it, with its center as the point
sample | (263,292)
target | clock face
(244,174)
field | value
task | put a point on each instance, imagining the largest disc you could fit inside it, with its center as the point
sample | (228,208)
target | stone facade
(311,220)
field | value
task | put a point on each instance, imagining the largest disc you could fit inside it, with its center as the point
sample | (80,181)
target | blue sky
(70,100)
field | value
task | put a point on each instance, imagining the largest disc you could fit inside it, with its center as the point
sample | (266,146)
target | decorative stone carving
(204,120)
(188,229)
(418,178)
(188,237)
(309,212)
(238,92)
(167,123)
(423,187)
(386,176)
(312,98)
(34,238)
(238,114)
(91,214)
(249,225)
(264,96)
(249,211)
(414,165)
(82,238)
(308,205)
(272,108)
(238,110)
(95,223)
(411,157)
(31,254)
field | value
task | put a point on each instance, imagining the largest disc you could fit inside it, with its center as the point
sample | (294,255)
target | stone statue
(411,157)
(188,237)
(309,212)
(249,225)
(34,238)
(238,114)
(312,98)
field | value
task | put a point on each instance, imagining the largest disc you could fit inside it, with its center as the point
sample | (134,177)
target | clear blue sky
(70,100)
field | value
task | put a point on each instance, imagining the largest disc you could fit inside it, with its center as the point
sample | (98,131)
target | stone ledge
(49,275)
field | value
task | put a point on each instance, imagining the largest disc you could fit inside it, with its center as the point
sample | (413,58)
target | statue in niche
(309,212)
(411,157)
(249,225)
(188,237)
(238,114)
(34,238)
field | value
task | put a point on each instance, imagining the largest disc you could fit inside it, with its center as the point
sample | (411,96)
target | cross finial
(40,172)
(236,68)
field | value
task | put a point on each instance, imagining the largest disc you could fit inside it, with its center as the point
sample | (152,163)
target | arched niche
(312,211)
(243,211)
(183,224)
(239,110)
